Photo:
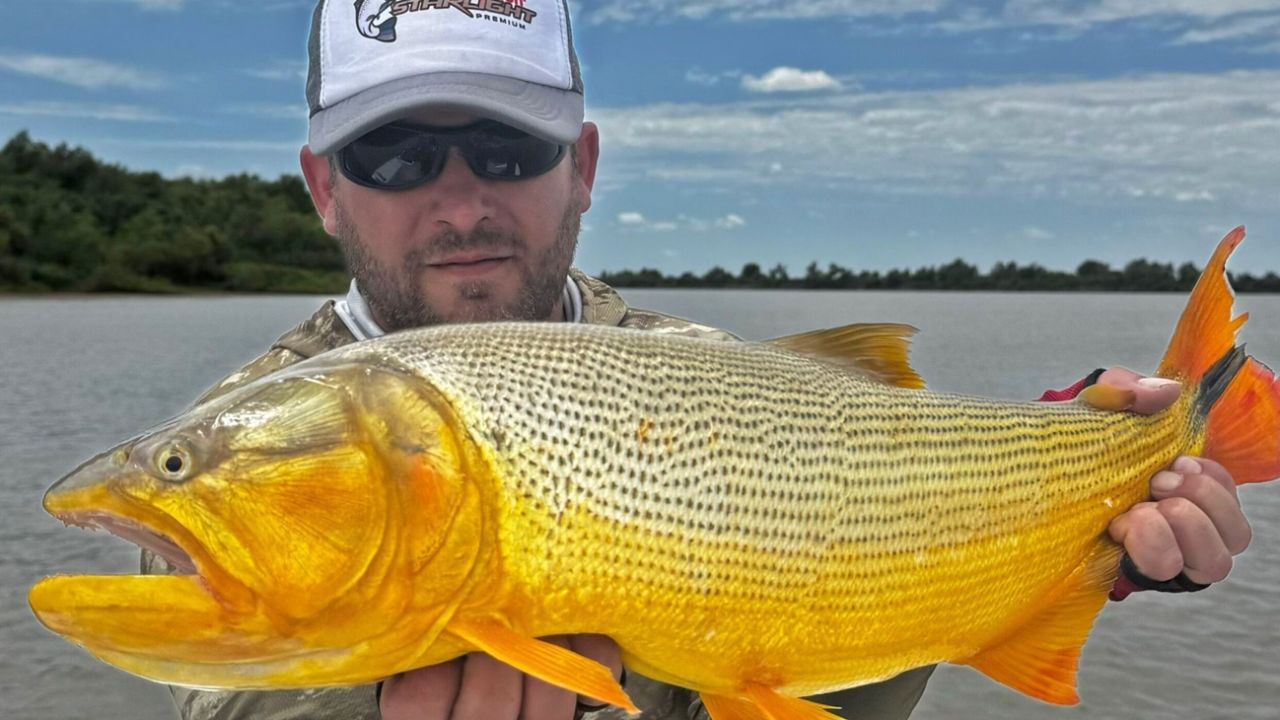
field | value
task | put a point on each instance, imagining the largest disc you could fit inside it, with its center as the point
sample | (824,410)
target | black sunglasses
(400,156)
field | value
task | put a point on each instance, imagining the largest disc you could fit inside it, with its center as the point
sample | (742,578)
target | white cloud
(194,171)
(636,221)
(249,146)
(280,70)
(730,221)
(1048,12)
(270,111)
(957,15)
(1032,232)
(1233,29)
(1154,138)
(88,73)
(789,79)
(658,11)
(163,5)
(698,76)
(1185,196)
(88,111)
(1198,20)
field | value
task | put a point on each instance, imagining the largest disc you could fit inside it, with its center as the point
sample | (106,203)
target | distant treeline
(69,222)
(1092,275)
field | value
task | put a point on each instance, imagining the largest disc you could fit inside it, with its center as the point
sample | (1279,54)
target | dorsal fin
(875,349)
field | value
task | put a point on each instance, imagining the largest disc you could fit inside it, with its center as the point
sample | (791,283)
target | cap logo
(376,19)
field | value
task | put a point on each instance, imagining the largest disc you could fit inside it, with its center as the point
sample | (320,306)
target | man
(451,161)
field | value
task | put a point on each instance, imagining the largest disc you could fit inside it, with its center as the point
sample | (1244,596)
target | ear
(315,168)
(588,152)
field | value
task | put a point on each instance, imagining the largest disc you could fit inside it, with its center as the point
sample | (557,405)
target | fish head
(314,519)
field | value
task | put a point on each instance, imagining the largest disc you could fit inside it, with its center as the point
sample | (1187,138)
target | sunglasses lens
(398,157)
(504,153)
(391,157)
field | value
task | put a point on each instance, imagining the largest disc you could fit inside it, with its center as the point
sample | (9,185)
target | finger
(1214,497)
(1153,394)
(1149,540)
(1150,394)
(544,701)
(1213,470)
(603,650)
(490,690)
(600,648)
(422,694)
(1205,558)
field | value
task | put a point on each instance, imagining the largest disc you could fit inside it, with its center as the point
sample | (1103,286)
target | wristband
(1178,584)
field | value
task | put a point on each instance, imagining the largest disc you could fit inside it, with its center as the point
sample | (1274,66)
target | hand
(478,687)
(1193,523)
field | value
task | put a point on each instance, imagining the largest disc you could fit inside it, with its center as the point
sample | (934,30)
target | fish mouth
(138,534)
(165,627)
(91,505)
(139,621)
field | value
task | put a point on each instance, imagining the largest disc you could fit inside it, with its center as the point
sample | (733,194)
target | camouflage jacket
(601,305)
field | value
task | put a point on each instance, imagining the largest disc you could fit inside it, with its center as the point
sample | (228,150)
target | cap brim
(549,113)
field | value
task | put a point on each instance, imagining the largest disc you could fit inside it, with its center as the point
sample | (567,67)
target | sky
(870,133)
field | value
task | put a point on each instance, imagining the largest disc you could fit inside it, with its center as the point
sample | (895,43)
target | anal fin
(546,661)
(763,703)
(1041,657)
(723,707)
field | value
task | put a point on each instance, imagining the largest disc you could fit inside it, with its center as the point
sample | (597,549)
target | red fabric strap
(1123,588)
(1067,393)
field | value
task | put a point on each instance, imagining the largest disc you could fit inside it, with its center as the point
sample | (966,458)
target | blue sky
(870,133)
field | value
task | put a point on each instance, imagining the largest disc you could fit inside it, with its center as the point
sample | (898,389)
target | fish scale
(748,486)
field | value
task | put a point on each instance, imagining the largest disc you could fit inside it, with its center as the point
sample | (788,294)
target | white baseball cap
(376,61)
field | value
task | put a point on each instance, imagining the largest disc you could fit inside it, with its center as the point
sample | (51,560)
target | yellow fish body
(756,522)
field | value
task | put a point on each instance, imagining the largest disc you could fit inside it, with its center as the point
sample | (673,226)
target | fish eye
(174,463)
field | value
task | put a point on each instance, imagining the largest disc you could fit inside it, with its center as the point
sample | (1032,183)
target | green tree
(752,277)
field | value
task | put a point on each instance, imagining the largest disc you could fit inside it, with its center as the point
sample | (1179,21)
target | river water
(77,374)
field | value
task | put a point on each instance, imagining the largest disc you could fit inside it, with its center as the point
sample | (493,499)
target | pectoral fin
(545,661)
(1040,657)
(762,703)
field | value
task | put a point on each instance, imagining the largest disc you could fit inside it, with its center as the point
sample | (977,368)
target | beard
(395,294)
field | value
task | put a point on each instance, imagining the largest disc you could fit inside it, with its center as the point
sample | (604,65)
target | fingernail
(1165,481)
(1187,466)
(1156,382)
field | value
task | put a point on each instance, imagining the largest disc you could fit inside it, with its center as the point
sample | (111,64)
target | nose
(458,197)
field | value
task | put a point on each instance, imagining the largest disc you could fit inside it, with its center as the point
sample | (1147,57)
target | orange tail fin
(1238,398)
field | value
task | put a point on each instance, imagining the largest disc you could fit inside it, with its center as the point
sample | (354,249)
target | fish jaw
(171,629)
(134,616)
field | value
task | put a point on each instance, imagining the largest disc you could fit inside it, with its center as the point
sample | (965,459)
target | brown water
(78,374)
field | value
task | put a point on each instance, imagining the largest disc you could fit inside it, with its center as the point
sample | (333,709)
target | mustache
(452,241)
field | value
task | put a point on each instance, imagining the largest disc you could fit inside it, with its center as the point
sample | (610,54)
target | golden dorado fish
(754,521)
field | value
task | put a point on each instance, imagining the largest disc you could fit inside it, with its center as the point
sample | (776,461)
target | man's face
(459,248)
